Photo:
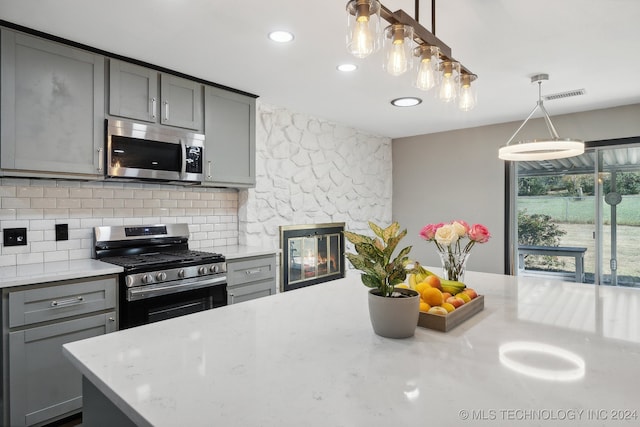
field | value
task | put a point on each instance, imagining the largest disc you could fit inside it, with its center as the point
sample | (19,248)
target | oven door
(167,304)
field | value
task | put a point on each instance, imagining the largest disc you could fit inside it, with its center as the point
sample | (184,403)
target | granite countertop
(30,274)
(540,353)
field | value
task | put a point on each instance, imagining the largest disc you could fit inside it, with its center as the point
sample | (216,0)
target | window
(579,218)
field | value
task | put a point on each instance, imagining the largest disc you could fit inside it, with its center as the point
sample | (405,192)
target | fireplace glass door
(311,254)
(311,257)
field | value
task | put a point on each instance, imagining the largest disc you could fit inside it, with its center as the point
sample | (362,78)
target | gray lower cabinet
(250,278)
(51,109)
(141,93)
(40,383)
(230,131)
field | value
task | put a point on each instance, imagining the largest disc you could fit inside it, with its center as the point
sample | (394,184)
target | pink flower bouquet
(454,241)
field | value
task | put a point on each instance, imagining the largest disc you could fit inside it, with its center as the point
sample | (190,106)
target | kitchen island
(540,353)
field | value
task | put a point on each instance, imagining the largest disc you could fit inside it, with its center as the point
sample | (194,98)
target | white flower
(459,229)
(446,235)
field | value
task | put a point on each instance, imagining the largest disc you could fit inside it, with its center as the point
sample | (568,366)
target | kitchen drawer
(250,291)
(58,301)
(251,269)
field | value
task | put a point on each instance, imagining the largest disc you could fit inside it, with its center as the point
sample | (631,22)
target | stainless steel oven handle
(149,291)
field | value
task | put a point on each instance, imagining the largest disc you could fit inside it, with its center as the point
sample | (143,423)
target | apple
(446,295)
(455,301)
(438,310)
(433,281)
(472,293)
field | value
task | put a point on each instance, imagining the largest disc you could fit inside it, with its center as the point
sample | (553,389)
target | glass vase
(453,265)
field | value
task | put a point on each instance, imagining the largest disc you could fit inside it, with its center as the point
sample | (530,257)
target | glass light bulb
(467,100)
(363,39)
(397,63)
(426,78)
(447,88)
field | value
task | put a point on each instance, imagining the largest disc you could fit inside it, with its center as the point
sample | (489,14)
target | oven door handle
(150,291)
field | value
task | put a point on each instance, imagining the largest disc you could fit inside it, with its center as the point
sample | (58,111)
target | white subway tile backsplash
(30,258)
(15,202)
(81,193)
(28,192)
(56,256)
(56,192)
(38,205)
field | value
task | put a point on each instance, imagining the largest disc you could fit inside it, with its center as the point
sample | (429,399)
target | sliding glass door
(578,219)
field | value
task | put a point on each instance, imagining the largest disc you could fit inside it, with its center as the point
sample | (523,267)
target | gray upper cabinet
(141,93)
(230,131)
(51,109)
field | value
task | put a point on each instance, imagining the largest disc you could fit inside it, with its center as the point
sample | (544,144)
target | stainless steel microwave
(154,152)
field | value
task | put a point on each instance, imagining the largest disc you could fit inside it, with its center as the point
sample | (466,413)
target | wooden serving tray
(451,320)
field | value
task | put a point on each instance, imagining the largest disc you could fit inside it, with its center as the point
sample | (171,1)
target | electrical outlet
(62,232)
(15,236)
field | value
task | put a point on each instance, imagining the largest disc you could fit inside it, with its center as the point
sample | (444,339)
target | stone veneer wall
(38,205)
(313,171)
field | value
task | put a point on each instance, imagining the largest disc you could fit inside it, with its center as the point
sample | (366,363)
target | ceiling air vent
(561,95)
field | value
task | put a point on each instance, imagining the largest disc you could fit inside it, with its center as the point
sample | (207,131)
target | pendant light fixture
(363,27)
(398,50)
(541,149)
(436,67)
(428,75)
(449,85)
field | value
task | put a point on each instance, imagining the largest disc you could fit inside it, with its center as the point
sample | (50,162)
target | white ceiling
(590,44)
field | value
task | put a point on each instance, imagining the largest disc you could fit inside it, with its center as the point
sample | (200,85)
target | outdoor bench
(570,251)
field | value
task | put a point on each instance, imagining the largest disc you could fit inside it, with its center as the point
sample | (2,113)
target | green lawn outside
(580,211)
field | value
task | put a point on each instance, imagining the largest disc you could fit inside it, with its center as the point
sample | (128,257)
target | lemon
(424,306)
(466,298)
(447,306)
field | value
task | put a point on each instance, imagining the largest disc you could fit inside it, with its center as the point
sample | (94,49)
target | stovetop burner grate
(167,259)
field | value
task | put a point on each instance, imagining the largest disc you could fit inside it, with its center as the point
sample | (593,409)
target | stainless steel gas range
(162,278)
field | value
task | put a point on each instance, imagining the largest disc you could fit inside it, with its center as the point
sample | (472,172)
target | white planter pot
(394,317)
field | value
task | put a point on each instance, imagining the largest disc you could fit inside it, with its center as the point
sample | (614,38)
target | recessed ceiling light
(409,101)
(347,67)
(281,36)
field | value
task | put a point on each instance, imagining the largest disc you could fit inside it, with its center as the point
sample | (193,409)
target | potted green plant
(393,311)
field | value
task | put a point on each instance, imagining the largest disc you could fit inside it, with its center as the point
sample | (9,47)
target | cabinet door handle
(249,272)
(65,302)
(233,297)
(209,169)
(166,111)
(111,319)
(153,108)
(100,159)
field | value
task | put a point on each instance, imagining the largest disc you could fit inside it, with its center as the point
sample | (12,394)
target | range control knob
(129,281)
(202,270)
(181,273)
(147,278)
(214,268)
(161,276)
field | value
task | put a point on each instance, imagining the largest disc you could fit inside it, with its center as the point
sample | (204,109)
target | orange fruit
(421,286)
(432,296)
(424,306)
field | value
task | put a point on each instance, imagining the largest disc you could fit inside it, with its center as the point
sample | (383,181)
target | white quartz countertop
(30,274)
(540,353)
